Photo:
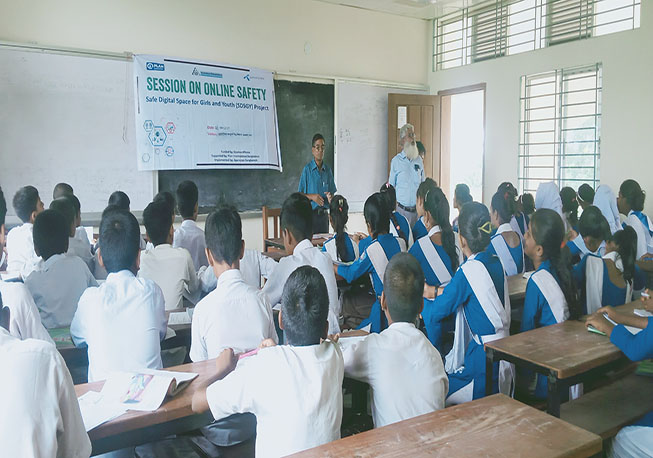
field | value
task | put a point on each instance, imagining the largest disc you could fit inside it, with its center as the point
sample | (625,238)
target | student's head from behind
(424,187)
(224,237)
(3,216)
(64,205)
(158,223)
(305,307)
(502,208)
(624,242)
(296,219)
(631,197)
(421,149)
(377,215)
(62,189)
(461,196)
(78,209)
(436,213)
(585,195)
(403,289)
(168,199)
(120,200)
(338,216)
(527,203)
(570,204)
(318,147)
(27,204)
(119,240)
(474,227)
(593,228)
(51,232)
(187,199)
(388,191)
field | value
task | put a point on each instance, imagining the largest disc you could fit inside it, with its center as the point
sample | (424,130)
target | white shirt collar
(303,245)
(229,277)
(188,223)
(120,275)
(434,230)
(505,227)
(163,246)
(52,260)
(401,325)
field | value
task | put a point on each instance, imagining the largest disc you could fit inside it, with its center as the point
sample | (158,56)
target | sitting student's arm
(532,307)
(206,279)
(77,326)
(25,320)
(635,346)
(357,356)
(192,290)
(274,286)
(267,265)
(357,269)
(453,295)
(198,350)
(159,304)
(225,364)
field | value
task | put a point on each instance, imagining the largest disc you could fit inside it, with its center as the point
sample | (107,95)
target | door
(423,112)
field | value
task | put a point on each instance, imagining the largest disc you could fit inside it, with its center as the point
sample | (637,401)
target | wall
(627,117)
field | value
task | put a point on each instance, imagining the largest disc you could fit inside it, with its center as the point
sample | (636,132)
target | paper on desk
(642,312)
(95,412)
(527,275)
(630,329)
(326,235)
(179,318)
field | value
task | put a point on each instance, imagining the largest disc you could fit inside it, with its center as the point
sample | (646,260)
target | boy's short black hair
(586,193)
(50,232)
(297,216)
(168,198)
(25,202)
(317,137)
(403,286)
(3,208)
(224,233)
(119,239)
(305,307)
(65,206)
(593,224)
(62,189)
(120,200)
(76,204)
(187,198)
(157,220)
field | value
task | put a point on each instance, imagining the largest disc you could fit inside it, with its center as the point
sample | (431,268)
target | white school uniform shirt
(24,319)
(295,393)
(56,287)
(253,266)
(82,249)
(21,256)
(173,270)
(235,315)
(191,237)
(40,414)
(404,370)
(305,254)
(123,322)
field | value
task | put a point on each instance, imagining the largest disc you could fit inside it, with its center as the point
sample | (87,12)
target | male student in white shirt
(403,369)
(294,390)
(297,232)
(123,320)
(40,415)
(170,268)
(189,235)
(59,281)
(77,246)
(20,247)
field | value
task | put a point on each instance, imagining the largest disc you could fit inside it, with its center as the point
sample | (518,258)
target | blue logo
(155,66)
(246,77)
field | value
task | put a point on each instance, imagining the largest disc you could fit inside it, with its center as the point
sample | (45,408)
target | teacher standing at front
(317,184)
(406,174)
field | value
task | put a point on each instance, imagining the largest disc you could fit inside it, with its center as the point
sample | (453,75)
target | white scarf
(433,258)
(503,251)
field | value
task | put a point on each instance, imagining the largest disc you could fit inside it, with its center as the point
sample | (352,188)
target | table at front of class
(565,352)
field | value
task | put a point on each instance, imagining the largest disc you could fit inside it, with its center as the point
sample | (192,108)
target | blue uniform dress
(403,226)
(611,294)
(459,293)
(538,313)
(516,254)
(522,221)
(419,229)
(330,248)
(317,181)
(364,265)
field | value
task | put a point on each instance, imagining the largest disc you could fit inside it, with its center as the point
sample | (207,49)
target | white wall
(627,121)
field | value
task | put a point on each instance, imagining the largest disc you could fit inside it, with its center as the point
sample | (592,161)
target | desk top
(517,287)
(318,240)
(566,348)
(491,426)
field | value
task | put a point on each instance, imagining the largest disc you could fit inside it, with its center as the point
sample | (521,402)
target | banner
(201,115)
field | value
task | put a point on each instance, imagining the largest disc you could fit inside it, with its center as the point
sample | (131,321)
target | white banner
(199,115)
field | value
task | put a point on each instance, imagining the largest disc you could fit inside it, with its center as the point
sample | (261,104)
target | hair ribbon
(486,227)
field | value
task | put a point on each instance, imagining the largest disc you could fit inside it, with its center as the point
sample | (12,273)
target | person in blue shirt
(316,183)
(399,226)
(461,196)
(506,243)
(478,295)
(375,258)
(593,230)
(419,228)
(406,173)
(342,247)
(636,439)
(551,295)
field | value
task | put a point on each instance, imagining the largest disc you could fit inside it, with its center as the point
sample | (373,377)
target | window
(560,128)
(503,27)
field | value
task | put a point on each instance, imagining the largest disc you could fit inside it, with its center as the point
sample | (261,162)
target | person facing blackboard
(317,184)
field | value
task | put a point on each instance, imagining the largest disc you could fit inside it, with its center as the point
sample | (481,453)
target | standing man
(406,173)
(317,184)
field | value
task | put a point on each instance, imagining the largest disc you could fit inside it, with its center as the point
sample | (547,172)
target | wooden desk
(278,242)
(492,426)
(135,428)
(565,352)
(517,287)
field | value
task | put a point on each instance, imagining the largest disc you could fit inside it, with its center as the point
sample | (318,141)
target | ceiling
(420,9)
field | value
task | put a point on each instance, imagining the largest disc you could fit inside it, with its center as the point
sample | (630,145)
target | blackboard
(303,109)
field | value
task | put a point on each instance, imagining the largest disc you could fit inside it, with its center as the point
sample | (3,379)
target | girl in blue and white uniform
(506,243)
(631,203)
(593,230)
(399,225)
(419,228)
(342,248)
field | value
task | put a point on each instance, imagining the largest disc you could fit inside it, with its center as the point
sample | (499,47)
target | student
(295,390)
(461,196)
(120,200)
(399,226)
(550,292)
(60,280)
(527,205)
(297,233)
(548,196)
(606,201)
(419,228)
(569,207)
(593,231)
(631,203)
(253,266)
(421,150)
(82,243)
(506,242)
(608,280)
(62,189)
(518,220)
(189,235)
(76,247)
(123,320)
(21,257)
(375,258)
(40,415)
(400,349)
(478,296)
(636,439)
(167,198)
(170,268)
(341,247)
(99,272)
(585,196)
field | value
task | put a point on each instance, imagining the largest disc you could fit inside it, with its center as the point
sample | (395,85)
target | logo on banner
(195,72)
(246,77)
(155,66)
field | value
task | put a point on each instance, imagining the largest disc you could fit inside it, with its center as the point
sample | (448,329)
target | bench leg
(553,398)
(489,371)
